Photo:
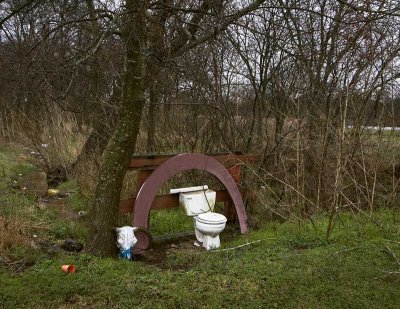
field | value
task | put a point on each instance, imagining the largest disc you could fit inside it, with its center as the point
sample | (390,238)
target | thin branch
(241,246)
(16,11)
(396,258)
(207,36)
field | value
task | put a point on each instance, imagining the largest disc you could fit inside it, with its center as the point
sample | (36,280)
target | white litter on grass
(82,213)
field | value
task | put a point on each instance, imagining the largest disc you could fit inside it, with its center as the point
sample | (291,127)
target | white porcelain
(208,226)
(211,227)
(189,189)
(211,218)
(210,243)
(197,202)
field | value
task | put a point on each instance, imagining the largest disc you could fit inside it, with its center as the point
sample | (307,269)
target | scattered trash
(68,268)
(82,213)
(34,236)
(53,192)
(44,145)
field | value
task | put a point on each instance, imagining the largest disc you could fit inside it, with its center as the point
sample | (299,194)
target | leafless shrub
(55,137)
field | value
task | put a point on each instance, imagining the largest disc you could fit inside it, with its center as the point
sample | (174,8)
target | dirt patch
(158,253)
(164,246)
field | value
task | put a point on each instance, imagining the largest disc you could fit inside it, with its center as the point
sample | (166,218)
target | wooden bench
(148,163)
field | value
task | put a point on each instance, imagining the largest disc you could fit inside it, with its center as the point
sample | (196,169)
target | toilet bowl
(199,204)
(208,226)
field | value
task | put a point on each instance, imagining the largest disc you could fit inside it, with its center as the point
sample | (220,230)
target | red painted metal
(172,166)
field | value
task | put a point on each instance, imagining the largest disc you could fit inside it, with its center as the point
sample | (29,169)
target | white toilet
(198,203)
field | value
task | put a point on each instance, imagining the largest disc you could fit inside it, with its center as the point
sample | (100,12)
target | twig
(345,250)
(391,272)
(393,255)
(397,242)
(244,245)
(387,273)
(396,258)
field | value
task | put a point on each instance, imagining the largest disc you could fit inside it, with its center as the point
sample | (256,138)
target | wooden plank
(142,176)
(168,201)
(160,202)
(227,159)
(235,172)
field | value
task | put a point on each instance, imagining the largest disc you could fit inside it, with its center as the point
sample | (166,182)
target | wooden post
(142,176)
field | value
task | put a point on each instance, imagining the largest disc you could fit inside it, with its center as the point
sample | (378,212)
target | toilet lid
(211,218)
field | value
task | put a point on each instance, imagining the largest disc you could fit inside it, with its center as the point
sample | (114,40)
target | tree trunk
(104,212)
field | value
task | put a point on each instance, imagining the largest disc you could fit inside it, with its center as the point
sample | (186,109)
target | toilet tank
(197,202)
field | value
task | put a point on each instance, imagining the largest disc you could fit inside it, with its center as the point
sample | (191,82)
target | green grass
(13,201)
(290,267)
(169,221)
(284,265)
(21,208)
(76,199)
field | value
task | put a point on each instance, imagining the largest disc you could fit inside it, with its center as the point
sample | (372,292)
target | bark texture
(123,141)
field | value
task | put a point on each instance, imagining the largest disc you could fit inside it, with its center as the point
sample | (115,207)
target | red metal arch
(174,165)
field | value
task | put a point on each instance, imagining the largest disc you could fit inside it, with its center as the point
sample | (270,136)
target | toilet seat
(211,218)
